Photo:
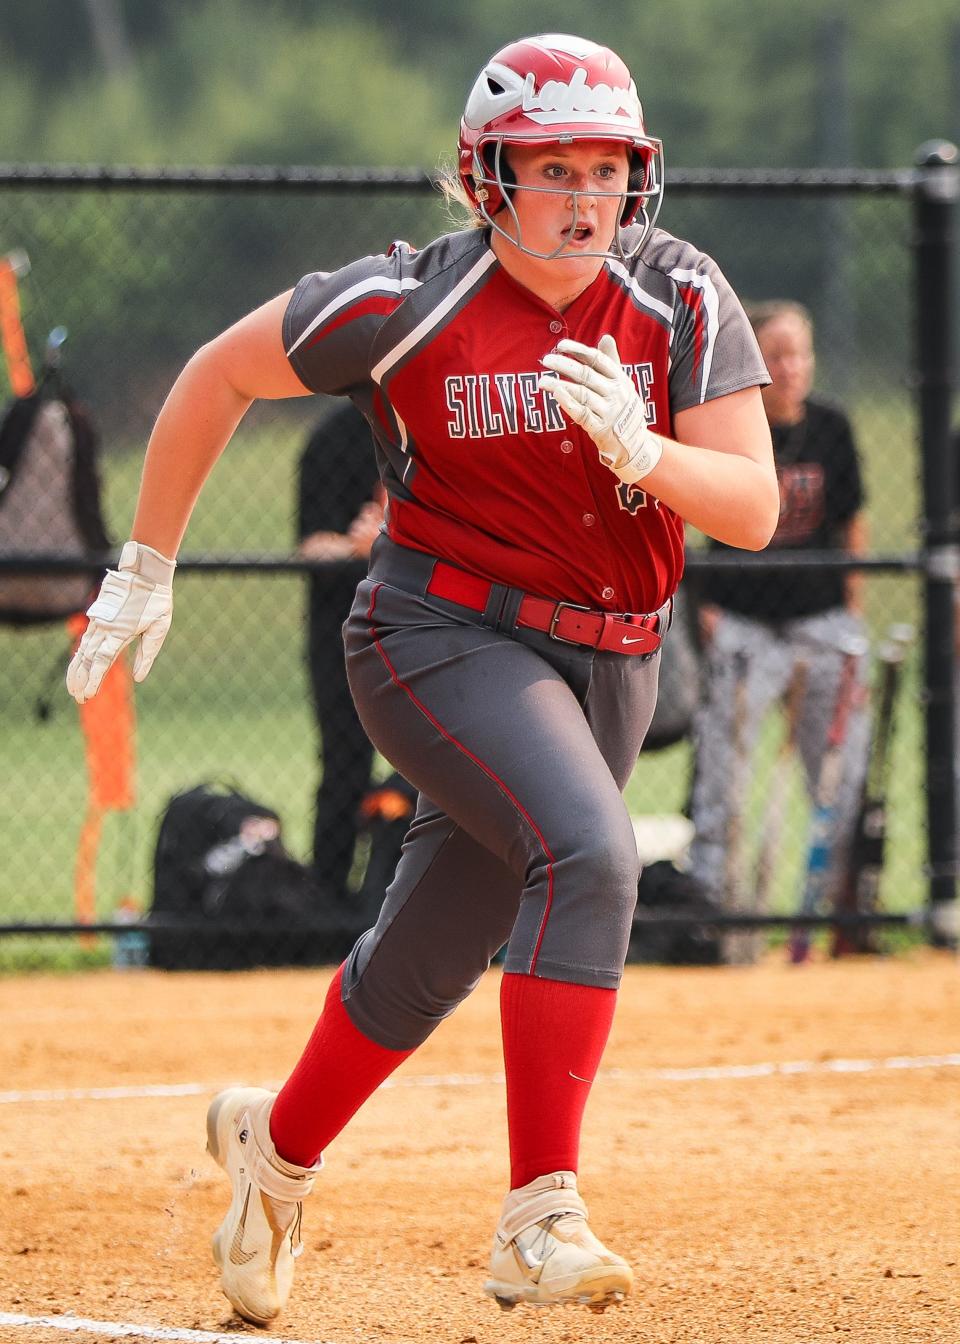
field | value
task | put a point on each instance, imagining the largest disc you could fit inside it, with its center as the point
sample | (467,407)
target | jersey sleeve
(713,349)
(333,318)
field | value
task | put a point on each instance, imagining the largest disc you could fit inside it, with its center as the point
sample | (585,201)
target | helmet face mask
(557,89)
(495,182)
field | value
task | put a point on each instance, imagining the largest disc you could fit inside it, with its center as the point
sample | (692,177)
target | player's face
(786,344)
(569,215)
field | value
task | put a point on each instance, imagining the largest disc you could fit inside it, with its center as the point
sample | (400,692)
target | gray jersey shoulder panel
(333,318)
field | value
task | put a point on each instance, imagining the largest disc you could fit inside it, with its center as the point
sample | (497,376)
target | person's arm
(353,544)
(200,415)
(708,618)
(366,527)
(845,496)
(326,546)
(718,472)
(856,539)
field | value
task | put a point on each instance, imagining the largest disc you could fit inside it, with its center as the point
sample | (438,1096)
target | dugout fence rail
(141,266)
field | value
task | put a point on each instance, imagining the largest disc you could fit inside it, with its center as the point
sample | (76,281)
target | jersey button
(566,446)
(556,326)
(588,519)
(607,594)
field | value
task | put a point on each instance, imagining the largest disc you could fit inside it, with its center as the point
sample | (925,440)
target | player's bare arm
(204,407)
(718,473)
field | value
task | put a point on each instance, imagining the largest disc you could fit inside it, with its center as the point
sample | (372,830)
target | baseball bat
(778,790)
(735,947)
(829,779)
(861,887)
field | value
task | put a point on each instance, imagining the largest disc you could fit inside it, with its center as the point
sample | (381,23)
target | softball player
(552,393)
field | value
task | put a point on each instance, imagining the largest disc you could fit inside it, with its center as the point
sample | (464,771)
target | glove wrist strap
(643,460)
(135,558)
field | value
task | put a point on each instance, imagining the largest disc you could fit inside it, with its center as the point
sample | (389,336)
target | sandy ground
(789,1205)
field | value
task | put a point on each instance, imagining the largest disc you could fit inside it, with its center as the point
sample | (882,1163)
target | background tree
(724,82)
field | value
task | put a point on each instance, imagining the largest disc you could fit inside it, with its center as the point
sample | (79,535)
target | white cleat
(257,1243)
(544,1253)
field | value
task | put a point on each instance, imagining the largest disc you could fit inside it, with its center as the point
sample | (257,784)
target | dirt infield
(792,1204)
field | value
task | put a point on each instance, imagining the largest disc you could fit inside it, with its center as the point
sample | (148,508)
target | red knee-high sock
(553,1038)
(337,1071)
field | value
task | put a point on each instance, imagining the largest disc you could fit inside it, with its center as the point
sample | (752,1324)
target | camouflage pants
(765,655)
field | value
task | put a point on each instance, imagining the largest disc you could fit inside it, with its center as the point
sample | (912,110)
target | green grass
(229,697)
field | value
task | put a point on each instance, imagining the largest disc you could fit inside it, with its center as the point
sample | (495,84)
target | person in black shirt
(339,513)
(758,626)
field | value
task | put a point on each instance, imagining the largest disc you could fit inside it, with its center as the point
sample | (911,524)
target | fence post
(938,187)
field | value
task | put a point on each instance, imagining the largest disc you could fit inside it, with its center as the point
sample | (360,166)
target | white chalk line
(704,1073)
(118,1330)
(718,1072)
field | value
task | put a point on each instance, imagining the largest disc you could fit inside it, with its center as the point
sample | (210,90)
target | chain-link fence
(141,270)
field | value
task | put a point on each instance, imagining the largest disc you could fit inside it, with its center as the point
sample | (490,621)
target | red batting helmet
(553,89)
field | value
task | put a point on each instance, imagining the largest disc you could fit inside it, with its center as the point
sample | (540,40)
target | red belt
(623,633)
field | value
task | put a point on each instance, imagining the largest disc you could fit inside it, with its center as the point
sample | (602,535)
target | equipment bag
(665,890)
(49,502)
(227,895)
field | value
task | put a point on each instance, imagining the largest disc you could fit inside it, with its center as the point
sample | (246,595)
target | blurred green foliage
(724,82)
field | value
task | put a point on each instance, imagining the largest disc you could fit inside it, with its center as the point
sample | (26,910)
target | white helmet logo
(558,101)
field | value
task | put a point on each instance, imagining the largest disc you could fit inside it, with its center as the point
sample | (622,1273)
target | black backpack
(665,890)
(49,502)
(227,895)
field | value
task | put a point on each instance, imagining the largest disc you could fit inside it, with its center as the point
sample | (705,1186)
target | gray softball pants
(770,654)
(520,746)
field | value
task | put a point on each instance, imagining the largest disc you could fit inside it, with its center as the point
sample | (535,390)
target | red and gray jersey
(442,351)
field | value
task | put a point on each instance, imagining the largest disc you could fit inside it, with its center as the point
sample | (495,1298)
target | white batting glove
(597,393)
(135,602)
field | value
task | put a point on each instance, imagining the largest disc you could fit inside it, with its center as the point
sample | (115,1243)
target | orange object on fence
(11,332)
(108,724)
